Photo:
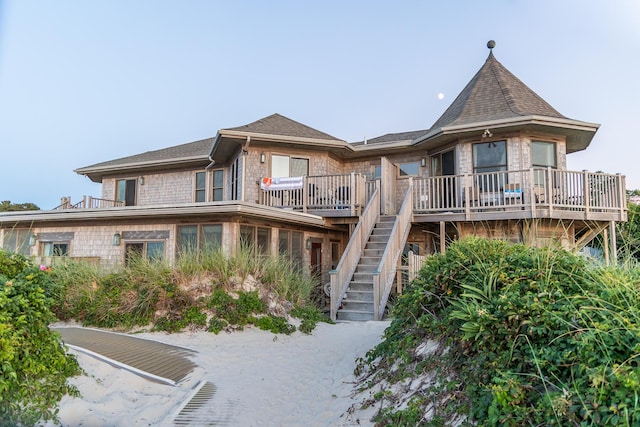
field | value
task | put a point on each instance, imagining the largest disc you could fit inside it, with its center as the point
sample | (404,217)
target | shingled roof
(494,93)
(277,124)
(392,137)
(192,151)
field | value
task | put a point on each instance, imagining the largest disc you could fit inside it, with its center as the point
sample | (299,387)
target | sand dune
(254,378)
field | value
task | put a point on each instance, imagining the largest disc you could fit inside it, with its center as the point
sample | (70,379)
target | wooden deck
(531,193)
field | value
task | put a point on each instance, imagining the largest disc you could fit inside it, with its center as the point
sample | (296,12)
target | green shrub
(536,336)
(34,364)
(275,324)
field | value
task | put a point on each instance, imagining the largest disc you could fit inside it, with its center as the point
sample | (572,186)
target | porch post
(614,244)
(442,237)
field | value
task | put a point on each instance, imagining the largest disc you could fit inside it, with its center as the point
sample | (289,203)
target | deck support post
(442,237)
(613,245)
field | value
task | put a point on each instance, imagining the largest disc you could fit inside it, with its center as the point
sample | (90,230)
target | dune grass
(152,293)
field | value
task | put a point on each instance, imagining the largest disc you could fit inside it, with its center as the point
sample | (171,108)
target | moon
(441,95)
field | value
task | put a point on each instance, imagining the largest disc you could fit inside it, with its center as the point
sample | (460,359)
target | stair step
(379,239)
(359,296)
(376,246)
(369,269)
(360,286)
(359,276)
(362,305)
(355,315)
(369,260)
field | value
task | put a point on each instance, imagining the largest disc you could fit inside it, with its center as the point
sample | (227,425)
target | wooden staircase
(358,302)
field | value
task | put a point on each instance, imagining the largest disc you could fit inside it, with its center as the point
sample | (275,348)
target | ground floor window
(290,245)
(151,250)
(255,237)
(55,249)
(17,240)
(199,237)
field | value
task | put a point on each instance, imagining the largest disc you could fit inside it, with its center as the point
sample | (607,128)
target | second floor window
(286,166)
(490,157)
(126,191)
(201,187)
(543,154)
(217,190)
(409,169)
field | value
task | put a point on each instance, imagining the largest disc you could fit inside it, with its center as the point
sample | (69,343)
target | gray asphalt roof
(190,149)
(277,124)
(494,93)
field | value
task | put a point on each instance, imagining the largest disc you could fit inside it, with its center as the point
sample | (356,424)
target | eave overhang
(578,134)
(228,142)
(226,209)
(96,173)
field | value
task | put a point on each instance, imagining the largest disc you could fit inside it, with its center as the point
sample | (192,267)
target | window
(409,168)
(235,179)
(543,154)
(377,172)
(126,191)
(55,249)
(258,237)
(490,157)
(193,238)
(443,164)
(290,245)
(151,250)
(286,166)
(217,189)
(201,187)
(17,240)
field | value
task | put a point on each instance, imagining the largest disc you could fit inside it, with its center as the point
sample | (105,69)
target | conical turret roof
(494,93)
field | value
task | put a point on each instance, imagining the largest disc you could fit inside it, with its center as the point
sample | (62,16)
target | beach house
(493,165)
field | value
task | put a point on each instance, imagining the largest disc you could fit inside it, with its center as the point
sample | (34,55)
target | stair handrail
(343,272)
(384,275)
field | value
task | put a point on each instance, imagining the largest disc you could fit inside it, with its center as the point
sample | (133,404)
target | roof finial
(491,44)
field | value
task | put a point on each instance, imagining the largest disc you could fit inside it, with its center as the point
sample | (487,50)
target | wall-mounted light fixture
(141,180)
(263,157)
(32,239)
(116,239)
(309,243)
(423,162)
(487,133)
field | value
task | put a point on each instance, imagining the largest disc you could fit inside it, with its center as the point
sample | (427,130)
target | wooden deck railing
(88,202)
(342,195)
(539,192)
(385,273)
(343,272)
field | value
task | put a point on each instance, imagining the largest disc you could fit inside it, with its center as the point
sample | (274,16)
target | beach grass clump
(34,365)
(208,290)
(521,336)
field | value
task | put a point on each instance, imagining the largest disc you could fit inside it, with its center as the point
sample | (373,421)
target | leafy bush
(535,336)
(34,365)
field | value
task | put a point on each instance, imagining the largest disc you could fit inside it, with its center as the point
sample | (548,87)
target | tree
(7,206)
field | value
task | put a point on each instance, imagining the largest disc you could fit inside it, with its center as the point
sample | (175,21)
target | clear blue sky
(83,82)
